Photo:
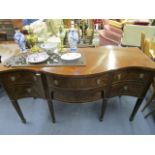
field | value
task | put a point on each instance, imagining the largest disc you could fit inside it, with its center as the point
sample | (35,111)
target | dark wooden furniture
(149,103)
(6,26)
(3,36)
(20,84)
(109,72)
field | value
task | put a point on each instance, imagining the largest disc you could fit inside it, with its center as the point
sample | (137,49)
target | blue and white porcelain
(73,38)
(20,40)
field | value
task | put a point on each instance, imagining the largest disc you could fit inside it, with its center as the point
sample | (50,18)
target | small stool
(3,36)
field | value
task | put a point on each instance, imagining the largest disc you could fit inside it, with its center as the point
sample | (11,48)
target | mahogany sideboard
(109,71)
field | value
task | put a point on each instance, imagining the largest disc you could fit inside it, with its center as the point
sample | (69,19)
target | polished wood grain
(109,71)
(98,61)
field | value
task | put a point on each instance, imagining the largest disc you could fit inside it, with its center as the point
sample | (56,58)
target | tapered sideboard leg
(18,110)
(103,107)
(51,108)
(149,101)
(138,104)
(150,113)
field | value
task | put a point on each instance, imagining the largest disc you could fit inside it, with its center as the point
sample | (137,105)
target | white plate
(48,46)
(37,57)
(71,56)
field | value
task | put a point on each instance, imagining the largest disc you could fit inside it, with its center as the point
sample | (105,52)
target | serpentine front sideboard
(109,72)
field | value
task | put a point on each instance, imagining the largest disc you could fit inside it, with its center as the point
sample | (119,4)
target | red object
(114,30)
(109,38)
(141,23)
(97,21)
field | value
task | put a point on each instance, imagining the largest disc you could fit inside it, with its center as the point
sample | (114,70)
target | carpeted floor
(73,118)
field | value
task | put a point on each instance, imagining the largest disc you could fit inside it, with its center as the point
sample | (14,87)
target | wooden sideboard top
(98,60)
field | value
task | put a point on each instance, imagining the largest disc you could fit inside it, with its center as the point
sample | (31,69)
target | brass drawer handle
(125,88)
(35,76)
(13,78)
(29,90)
(98,81)
(56,82)
(119,76)
(141,75)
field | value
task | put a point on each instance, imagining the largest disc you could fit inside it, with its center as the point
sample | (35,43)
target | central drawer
(77,83)
(77,96)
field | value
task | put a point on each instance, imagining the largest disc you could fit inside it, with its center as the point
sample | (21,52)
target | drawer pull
(56,82)
(13,78)
(98,81)
(35,76)
(141,75)
(119,76)
(29,90)
(125,88)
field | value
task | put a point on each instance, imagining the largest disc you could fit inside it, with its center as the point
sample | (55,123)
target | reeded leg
(150,113)
(103,107)
(18,110)
(51,108)
(138,104)
(149,101)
